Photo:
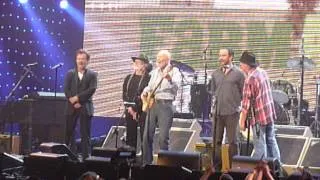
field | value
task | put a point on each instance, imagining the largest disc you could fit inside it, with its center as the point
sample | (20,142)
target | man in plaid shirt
(257,95)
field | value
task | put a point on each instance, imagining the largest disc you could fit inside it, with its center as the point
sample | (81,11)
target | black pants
(231,123)
(85,127)
(132,131)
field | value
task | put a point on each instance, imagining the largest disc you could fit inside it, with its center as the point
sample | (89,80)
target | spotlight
(64,4)
(23,1)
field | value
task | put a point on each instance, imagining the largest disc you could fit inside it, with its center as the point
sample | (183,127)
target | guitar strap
(129,82)
(161,79)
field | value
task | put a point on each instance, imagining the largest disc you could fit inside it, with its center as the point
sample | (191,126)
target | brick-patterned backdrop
(115,30)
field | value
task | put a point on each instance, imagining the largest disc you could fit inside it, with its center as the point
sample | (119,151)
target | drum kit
(285,94)
(192,91)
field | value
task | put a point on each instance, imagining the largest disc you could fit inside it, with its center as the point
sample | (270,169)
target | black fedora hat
(143,57)
(248,58)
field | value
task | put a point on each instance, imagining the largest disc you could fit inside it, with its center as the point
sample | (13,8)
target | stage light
(64,4)
(23,1)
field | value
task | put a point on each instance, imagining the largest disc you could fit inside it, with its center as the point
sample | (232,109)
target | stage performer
(79,86)
(226,88)
(162,89)
(132,88)
(258,96)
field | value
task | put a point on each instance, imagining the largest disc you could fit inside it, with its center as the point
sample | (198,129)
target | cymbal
(182,66)
(296,62)
(280,96)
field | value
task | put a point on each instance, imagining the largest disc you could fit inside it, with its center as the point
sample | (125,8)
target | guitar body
(147,102)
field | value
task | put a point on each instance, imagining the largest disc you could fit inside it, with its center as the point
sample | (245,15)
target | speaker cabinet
(311,158)
(179,159)
(293,130)
(291,148)
(179,139)
(46,165)
(158,172)
(102,166)
(191,124)
(8,161)
(58,148)
(246,163)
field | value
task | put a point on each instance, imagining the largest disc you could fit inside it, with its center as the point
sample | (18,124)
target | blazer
(84,89)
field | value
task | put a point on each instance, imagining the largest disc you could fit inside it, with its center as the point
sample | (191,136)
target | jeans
(264,141)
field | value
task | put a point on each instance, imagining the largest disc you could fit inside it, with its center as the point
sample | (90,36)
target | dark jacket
(227,90)
(84,89)
(131,92)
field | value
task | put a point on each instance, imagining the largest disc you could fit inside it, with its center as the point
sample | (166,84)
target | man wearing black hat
(257,100)
(226,85)
(132,88)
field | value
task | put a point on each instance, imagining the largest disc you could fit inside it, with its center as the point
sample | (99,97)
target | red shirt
(257,86)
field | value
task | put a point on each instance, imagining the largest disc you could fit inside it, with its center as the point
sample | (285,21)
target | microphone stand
(204,103)
(315,125)
(301,82)
(249,117)
(55,92)
(116,130)
(9,103)
(181,94)
(214,121)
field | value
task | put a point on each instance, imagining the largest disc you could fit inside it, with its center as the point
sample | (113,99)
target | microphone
(32,64)
(205,50)
(57,66)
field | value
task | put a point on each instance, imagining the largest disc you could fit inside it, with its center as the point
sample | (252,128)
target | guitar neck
(157,86)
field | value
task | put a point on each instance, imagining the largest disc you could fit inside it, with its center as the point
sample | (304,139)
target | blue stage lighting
(64,4)
(23,1)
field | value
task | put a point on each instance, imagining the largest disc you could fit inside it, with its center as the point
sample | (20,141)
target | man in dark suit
(79,86)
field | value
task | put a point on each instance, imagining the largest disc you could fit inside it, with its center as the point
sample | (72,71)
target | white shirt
(167,90)
(80,75)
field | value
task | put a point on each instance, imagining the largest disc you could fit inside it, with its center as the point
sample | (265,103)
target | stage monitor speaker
(311,157)
(293,130)
(245,163)
(57,148)
(158,172)
(191,124)
(179,159)
(45,165)
(102,166)
(180,139)
(8,161)
(291,148)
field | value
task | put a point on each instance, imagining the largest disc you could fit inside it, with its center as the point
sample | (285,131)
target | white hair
(165,53)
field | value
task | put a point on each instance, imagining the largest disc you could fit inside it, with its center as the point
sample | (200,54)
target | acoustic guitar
(148,101)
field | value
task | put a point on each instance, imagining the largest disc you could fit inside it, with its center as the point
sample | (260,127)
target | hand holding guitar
(148,98)
(167,76)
